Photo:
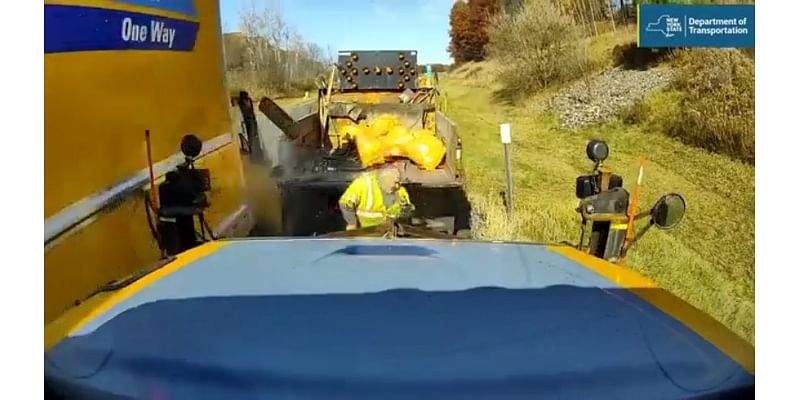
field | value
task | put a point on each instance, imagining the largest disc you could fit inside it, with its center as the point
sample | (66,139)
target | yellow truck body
(101,94)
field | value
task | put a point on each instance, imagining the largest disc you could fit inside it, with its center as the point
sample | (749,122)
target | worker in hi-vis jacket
(373,198)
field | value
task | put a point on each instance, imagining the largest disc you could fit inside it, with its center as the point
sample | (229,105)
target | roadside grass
(600,56)
(708,260)
(236,81)
(710,103)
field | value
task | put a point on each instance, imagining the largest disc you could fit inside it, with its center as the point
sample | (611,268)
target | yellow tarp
(385,138)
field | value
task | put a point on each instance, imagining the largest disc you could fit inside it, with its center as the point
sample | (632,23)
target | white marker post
(505,139)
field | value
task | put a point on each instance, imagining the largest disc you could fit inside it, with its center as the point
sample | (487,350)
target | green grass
(598,47)
(708,260)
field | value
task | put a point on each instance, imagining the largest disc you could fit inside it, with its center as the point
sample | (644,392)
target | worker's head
(389,179)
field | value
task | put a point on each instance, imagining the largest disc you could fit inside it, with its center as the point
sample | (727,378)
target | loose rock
(600,97)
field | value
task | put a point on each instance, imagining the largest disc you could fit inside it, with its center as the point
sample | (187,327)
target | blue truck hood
(332,318)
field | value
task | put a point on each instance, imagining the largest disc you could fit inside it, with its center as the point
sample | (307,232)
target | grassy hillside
(708,259)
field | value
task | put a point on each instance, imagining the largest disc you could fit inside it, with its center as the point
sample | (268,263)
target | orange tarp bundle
(385,138)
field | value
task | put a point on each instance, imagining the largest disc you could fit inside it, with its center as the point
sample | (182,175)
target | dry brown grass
(599,55)
(717,111)
(535,47)
(711,104)
(258,88)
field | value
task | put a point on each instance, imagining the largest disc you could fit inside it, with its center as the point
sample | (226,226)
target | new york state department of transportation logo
(674,25)
(667,25)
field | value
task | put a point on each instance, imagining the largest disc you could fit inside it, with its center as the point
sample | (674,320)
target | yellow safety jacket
(364,194)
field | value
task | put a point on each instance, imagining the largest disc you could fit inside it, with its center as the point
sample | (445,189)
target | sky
(420,25)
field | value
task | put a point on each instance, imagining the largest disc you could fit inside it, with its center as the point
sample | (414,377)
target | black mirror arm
(642,215)
(636,238)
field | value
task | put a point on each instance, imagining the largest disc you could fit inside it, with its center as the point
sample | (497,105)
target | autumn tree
(480,12)
(459,31)
(469,23)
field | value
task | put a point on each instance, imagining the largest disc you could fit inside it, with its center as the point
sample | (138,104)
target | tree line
(470,21)
(268,57)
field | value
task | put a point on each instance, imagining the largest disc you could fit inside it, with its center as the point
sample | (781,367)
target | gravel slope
(600,97)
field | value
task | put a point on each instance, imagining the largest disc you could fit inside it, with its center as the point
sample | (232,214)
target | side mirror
(668,211)
(191,146)
(597,150)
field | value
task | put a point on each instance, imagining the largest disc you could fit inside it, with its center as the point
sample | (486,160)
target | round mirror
(597,150)
(668,211)
(191,146)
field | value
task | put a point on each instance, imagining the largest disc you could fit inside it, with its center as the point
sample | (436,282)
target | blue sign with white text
(76,28)
(674,25)
(180,6)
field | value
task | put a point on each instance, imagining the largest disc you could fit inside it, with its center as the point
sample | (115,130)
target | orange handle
(634,202)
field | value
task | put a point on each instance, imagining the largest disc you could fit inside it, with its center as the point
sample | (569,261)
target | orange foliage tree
(469,22)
